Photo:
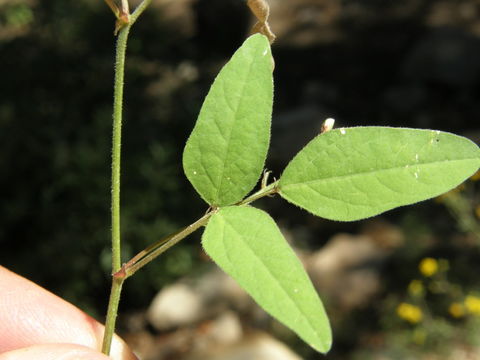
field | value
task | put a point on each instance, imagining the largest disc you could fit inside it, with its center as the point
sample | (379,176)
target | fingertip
(54,352)
(120,350)
(36,316)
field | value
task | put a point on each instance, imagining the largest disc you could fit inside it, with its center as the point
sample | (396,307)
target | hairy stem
(116,157)
(112,311)
(117,144)
(139,10)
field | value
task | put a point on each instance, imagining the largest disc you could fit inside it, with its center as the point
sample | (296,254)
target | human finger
(31,315)
(54,352)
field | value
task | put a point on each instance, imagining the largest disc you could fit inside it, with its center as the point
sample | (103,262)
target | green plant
(344,174)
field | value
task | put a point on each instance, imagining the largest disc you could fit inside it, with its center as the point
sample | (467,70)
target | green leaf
(225,154)
(247,244)
(353,173)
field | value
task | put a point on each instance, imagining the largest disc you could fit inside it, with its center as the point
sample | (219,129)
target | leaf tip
(323,344)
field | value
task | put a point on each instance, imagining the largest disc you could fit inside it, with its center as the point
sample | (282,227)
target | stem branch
(138,11)
(151,252)
(268,190)
(158,248)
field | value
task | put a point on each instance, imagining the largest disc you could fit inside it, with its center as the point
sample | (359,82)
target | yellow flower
(415,288)
(428,266)
(457,310)
(472,303)
(411,313)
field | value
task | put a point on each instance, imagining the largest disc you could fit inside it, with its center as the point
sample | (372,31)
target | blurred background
(403,285)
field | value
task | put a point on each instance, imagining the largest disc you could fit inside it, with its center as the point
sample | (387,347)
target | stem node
(120,274)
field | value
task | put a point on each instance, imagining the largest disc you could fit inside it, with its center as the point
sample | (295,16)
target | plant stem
(116,157)
(117,144)
(112,311)
(138,11)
